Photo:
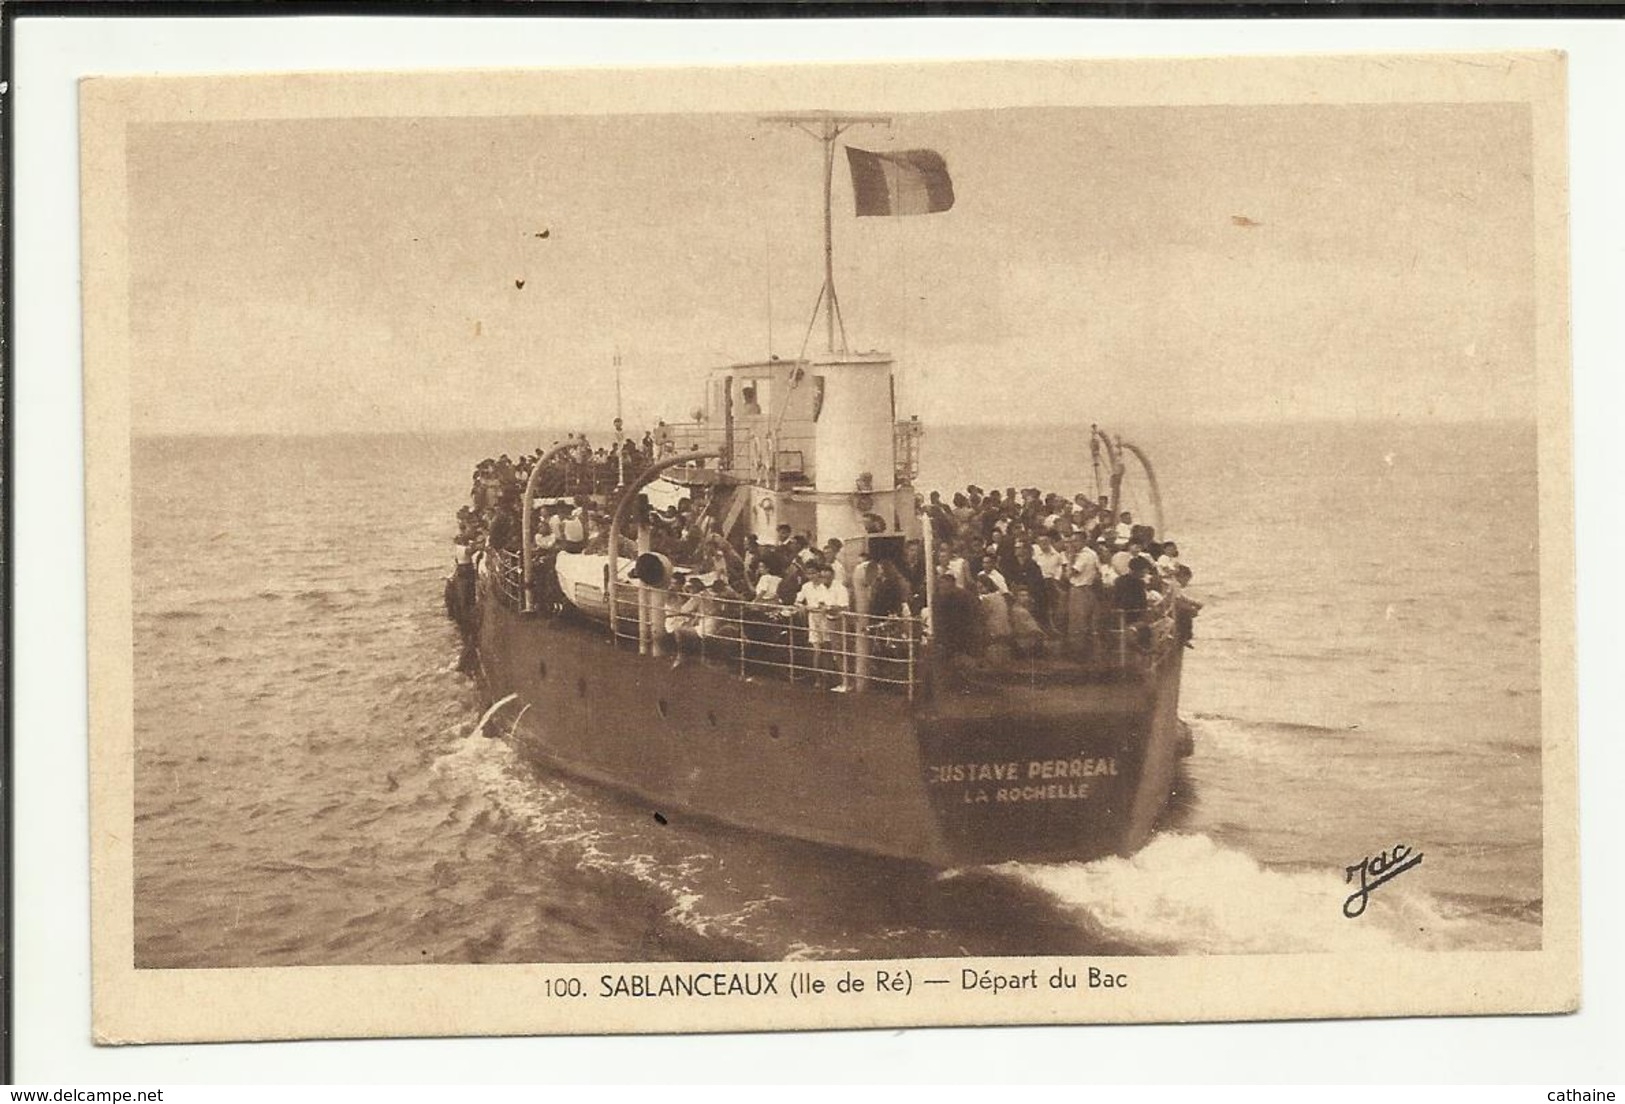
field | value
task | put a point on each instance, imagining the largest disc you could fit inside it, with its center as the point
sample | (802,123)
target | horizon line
(1203,423)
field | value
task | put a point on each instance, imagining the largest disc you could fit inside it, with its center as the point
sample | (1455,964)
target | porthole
(660,819)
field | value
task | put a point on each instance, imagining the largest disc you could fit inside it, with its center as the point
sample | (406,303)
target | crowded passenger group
(579,475)
(1019,573)
(1031,570)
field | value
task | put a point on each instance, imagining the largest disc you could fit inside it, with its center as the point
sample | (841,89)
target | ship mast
(829,127)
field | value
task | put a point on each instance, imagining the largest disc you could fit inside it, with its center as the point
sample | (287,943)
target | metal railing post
(911,634)
(645,601)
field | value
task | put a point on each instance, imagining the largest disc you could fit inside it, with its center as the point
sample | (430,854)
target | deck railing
(676,438)
(507,576)
(1129,641)
(1118,644)
(841,647)
(823,647)
(577,478)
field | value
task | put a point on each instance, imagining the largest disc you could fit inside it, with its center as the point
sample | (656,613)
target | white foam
(1256,743)
(1186,893)
(557,817)
(480,727)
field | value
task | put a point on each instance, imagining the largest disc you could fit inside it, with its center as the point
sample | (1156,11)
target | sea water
(310,788)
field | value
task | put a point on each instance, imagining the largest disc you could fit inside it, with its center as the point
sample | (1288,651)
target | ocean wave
(1291,727)
(1529,912)
(1284,744)
(306,870)
(177,615)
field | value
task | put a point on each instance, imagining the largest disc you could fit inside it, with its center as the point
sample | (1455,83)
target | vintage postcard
(792,547)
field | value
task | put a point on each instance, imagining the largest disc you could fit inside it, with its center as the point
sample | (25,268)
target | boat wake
(566,826)
(1187,894)
(706,892)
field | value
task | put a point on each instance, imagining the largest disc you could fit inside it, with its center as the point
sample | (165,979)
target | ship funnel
(856,449)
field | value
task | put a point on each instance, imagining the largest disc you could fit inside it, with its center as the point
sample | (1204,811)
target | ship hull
(964,774)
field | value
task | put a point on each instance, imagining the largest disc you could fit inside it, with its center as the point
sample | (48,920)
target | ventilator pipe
(1118,471)
(1151,478)
(1114,462)
(627,498)
(527,527)
(654,574)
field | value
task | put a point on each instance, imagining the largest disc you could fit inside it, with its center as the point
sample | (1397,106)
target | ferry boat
(866,729)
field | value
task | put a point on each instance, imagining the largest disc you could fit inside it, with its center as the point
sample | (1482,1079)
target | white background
(52,1027)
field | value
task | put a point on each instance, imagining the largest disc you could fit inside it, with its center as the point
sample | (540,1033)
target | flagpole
(831,128)
(830,134)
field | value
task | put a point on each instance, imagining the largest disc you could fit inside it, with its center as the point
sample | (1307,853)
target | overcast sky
(1101,264)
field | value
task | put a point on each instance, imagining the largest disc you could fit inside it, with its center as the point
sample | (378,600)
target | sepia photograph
(945,541)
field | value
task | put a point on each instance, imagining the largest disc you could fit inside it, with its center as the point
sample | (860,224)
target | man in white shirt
(767,583)
(1050,560)
(826,602)
(1052,565)
(1083,595)
(574,531)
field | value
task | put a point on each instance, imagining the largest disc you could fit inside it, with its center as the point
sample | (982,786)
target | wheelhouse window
(755,398)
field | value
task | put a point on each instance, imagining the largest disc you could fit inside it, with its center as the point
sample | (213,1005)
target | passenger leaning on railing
(1133,597)
(719,611)
(826,602)
(1185,607)
(683,609)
